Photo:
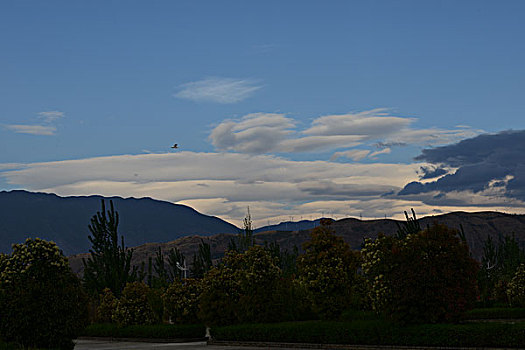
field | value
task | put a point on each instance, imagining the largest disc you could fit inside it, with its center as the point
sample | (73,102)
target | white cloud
(51,116)
(260,133)
(220,90)
(254,133)
(372,123)
(376,153)
(354,154)
(47,130)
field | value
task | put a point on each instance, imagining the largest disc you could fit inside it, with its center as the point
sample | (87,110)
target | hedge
(495,313)
(162,331)
(378,332)
(6,346)
(12,346)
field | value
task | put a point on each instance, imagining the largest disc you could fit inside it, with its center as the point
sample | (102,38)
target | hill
(65,220)
(477,227)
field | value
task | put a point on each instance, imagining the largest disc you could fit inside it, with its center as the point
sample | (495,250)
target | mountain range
(148,224)
(65,220)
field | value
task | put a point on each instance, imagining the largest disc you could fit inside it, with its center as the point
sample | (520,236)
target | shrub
(156,303)
(181,301)
(42,301)
(108,305)
(219,297)
(295,305)
(158,331)
(495,313)
(260,285)
(516,288)
(378,264)
(327,270)
(133,307)
(425,277)
(246,287)
(379,332)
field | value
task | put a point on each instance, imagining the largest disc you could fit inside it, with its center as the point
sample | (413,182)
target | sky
(295,109)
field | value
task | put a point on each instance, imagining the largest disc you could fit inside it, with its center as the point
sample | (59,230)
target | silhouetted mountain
(477,227)
(65,220)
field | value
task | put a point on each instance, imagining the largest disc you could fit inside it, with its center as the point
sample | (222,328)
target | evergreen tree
(201,261)
(161,277)
(109,264)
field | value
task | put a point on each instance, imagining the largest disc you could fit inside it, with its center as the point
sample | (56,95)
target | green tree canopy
(327,270)
(427,276)
(42,303)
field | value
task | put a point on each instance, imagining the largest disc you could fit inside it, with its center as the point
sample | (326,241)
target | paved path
(109,345)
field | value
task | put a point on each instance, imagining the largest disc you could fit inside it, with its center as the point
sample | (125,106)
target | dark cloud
(429,172)
(489,160)
(382,145)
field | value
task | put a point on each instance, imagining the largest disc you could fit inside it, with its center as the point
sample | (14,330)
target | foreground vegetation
(408,289)
(377,332)
(158,331)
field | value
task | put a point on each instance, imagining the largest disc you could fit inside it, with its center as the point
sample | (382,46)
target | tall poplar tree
(109,264)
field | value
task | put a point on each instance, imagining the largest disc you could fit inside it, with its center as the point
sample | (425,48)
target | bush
(107,307)
(327,270)
(427,277)
(158,331)
(219,297)
(516,288)
(260,285)
(246,287)
(133,307)
(495,313)
(157,304)
(181,301)
(295,305)
(42,301)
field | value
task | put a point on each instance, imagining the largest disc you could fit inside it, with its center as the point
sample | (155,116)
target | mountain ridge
(477,226)
(65,220)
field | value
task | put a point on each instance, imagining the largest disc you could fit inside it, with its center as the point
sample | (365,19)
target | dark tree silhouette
(244,239)
(109,264)
(201,261)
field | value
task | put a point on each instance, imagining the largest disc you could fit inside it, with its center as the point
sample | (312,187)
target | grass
(162,331)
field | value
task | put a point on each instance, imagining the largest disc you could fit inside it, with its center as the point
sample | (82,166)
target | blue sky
(93,94)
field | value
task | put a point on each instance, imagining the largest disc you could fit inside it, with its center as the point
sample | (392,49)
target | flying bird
(175,146)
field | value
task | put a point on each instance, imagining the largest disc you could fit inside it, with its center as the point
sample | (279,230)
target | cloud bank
(488,164)
(261,133)
(224,184)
